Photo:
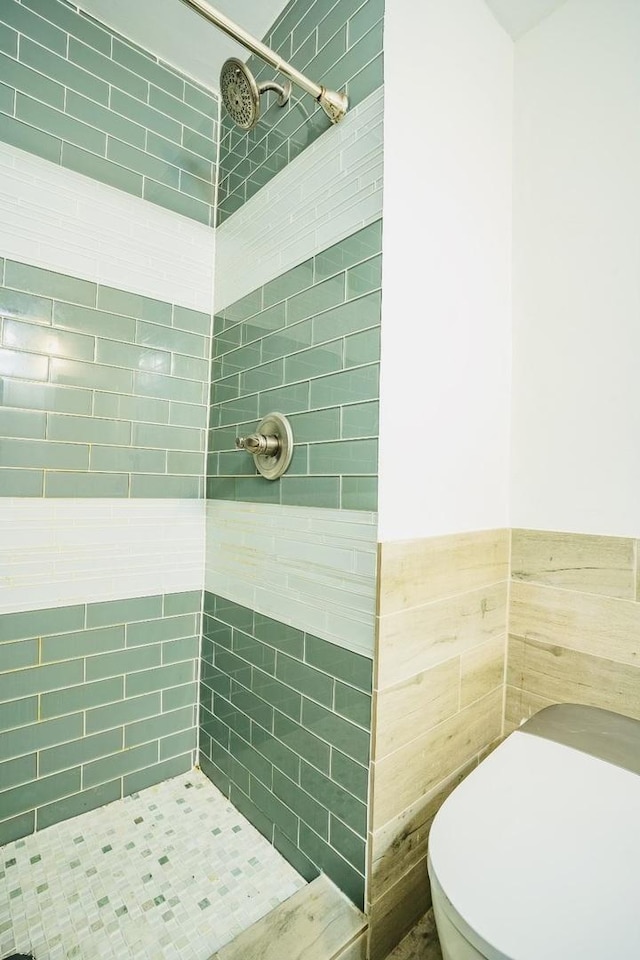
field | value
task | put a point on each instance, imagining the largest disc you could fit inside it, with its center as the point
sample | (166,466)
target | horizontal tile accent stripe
(297,210)
(310,568)
(62,221)
(60,552)
(81,96)
(339,43)
(99,699)
(285,726)
(103,392)
(308,345)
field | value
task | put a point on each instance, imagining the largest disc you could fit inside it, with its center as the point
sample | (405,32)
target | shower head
(241,94)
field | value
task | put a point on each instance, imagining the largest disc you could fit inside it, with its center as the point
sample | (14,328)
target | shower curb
(317,923)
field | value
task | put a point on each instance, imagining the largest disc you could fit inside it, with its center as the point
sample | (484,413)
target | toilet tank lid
(600,733)
(537,852)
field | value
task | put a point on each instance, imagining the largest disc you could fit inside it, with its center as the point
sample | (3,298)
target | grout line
(507,633)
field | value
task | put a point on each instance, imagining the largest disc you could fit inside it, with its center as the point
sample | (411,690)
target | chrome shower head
(241,94)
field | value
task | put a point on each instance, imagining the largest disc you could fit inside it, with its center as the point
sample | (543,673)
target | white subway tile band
(332,189)
(58,552)
(63,221)
(312,568)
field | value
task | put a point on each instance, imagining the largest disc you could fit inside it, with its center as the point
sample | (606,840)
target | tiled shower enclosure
(131,649)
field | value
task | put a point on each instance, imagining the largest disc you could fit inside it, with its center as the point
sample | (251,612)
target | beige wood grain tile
(568,676)
(520,706)
(482,670)
(591,564)
(515,661)
(400,844)
(414,640)
(355,951)
(512,708)
(421,943)
(601,626)
(316,923)
(414,572)
(414,770)
(413,706)
(394,914)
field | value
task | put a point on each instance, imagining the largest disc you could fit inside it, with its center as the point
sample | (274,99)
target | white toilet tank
(536,855)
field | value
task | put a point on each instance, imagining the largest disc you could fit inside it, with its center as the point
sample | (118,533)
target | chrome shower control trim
(271,446)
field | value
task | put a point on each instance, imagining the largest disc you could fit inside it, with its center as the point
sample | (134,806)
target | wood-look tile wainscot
(441,636)
(416,572)
(574,561)
(574,623)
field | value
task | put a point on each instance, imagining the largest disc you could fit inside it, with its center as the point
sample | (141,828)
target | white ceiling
(518,16)
(177,34)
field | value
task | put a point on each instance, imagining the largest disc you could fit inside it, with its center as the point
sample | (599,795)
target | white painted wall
(576,371)
(446,270)
(518,16)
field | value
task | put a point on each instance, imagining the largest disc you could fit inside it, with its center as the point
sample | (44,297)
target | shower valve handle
(271,446)
(259,444)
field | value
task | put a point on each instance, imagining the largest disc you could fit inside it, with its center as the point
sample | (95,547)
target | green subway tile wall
(91,699)
(337,43)
(80,95)
(102,392)
(307,344)
(284,733)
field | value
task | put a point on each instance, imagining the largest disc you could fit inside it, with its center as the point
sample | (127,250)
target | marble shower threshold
(317,923)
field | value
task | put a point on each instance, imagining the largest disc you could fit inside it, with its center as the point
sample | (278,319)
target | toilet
(536,855)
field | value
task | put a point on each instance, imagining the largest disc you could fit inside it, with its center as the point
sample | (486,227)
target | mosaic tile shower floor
(172,872)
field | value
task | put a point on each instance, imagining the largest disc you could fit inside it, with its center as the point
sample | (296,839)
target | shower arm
(333,103)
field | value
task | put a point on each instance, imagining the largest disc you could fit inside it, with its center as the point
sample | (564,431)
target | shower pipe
(333,103)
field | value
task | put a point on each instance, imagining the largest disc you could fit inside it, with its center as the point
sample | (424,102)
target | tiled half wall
(570,605)
(285,726)
(574,623)
(77,94)
(102,392)
(97,701)
(438,704)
